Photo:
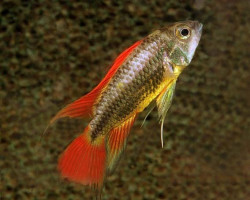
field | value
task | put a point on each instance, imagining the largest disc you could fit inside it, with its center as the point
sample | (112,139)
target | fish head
(181,38)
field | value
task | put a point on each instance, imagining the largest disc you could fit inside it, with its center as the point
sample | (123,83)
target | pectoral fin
(163,102)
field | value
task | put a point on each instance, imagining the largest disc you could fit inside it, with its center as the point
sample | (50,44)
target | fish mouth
(200,26)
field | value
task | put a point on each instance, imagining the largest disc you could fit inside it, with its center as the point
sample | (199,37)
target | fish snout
(197,27)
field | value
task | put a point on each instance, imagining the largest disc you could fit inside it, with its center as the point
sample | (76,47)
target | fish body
(145,72)
(136,83)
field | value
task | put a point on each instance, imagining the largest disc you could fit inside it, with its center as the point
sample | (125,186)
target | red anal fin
(116,142)
(84,161)
(84,107)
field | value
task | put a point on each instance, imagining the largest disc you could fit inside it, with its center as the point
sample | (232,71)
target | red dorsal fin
(83,107)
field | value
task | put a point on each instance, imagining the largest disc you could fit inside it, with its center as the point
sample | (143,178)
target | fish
(145,72)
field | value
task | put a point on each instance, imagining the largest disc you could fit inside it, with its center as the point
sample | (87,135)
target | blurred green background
(53,52)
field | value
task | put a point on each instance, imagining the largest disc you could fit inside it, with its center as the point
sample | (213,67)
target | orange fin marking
(83,161)
(83,107)
(116,143)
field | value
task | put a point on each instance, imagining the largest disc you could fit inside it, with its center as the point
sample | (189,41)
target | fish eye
(183,33)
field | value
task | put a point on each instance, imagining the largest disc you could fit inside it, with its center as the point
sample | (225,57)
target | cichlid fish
(145,72)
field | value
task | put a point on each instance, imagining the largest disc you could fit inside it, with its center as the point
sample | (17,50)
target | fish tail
(87,161)
(84,160)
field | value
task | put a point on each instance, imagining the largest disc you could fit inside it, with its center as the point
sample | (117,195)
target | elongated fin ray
(163,102)
(116,143)
(151,108)
(84,107)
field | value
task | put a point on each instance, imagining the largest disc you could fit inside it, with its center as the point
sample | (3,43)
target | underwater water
(53,52)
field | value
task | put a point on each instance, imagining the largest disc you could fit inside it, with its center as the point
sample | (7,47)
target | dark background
(53,52)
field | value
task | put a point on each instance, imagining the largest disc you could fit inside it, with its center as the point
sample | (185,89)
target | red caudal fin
(84,107)
(84,161)
(87,162)
(116,143)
